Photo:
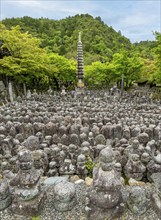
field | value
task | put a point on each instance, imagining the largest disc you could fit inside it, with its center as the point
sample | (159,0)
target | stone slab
(55,180)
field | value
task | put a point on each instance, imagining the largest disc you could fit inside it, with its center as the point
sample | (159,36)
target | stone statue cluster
(54,135)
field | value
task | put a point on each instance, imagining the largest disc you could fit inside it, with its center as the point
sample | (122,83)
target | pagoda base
(80,84)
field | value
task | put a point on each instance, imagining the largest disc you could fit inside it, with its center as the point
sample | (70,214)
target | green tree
(148,70)
(27,61)
(30,64)
(128,65)
(61,36)
(64,71)
(99,75)
(157,74)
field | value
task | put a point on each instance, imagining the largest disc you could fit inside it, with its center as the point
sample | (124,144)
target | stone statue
(25,187)
(134,168)
(64,196)
(5,198)
(138,201)
(105,196)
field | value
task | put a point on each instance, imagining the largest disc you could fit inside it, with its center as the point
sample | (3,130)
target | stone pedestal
(80,84)
(28,207)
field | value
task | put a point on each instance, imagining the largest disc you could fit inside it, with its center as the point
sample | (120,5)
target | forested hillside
(100,41)
(145,49)
(46,50)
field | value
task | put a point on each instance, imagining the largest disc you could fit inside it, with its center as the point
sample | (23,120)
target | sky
(136,19)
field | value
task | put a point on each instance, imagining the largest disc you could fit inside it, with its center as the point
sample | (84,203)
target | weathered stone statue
(156,195)
(134,167)
(40,160)
(25,187)
(81,169)
(64,196)
(5,198)
(105,196)
(138,201)
(154,166)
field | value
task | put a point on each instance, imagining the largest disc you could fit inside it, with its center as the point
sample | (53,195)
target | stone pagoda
(80,72)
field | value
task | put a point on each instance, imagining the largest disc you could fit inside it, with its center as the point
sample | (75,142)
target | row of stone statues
(57,137)
(107,197)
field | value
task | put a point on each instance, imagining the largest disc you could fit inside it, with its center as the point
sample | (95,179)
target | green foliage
(89,165)
(99,75)
(30,64)
(99,40)
(150,53)
(36,218)
(43,53)
(27,60)
(148,70)
(157,75)
(145,49)
(156,95)
(65,70)
(129,65)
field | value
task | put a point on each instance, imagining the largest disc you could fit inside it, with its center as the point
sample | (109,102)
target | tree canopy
(60,36)
(42,53)
(28,63)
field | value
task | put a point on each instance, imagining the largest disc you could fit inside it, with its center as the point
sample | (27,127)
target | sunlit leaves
(157,75)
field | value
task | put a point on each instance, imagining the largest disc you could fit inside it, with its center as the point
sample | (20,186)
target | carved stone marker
(105,196)
(5,198)
(64,196)
(26,189)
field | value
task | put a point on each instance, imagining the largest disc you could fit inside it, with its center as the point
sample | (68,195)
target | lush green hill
(108,55)
(100,41)
(145,49)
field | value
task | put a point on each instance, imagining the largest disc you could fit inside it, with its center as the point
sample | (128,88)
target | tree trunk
(56,83)
(5,80)
(24,89)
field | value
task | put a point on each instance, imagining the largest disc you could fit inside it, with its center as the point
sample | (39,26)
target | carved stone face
(25,160)
(81,160)
(64,196)
(145,157)
(25,156)
(106,158)
(25,165)
(107,166)
(135,158)
(135,144)
(106,155)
